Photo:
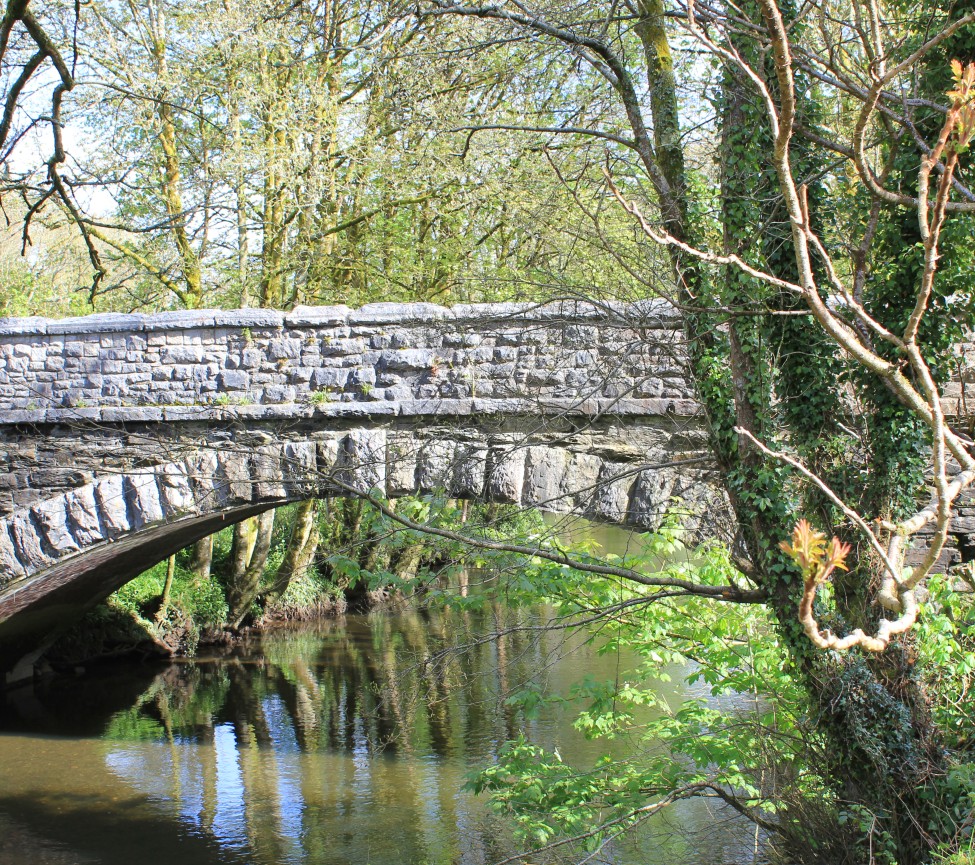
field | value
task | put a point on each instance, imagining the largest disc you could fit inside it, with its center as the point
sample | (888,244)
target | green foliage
(752,731)
(307,594)
(202,600)
(729,649)
(946,639)
(194,605)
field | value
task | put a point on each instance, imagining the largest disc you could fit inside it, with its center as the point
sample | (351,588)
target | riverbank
(304,562)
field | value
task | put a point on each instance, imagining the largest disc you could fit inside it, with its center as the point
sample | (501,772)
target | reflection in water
(345,742)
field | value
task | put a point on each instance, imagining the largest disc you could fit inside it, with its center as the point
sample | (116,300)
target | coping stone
(318,316)
(397,313)
(35,325)
(106,322)
(241,318)
(132,414)
(181,319)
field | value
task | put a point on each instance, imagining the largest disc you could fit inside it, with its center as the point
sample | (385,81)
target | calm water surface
(344,742)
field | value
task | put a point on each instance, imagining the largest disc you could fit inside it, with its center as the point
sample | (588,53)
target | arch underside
(118,508)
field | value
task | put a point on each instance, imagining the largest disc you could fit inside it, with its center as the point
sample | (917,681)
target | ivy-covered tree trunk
(776,377)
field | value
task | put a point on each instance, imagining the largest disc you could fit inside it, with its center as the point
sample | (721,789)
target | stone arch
(77,545)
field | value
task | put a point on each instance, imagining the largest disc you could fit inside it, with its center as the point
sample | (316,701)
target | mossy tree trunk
(301,550)
(771,375)
(252,543)
(201,558)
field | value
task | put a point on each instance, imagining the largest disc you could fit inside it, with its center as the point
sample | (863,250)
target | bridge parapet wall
(383,359)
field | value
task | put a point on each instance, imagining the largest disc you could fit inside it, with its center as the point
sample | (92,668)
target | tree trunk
(201,558)
(242,548)
(245,582)
(171,177)
(301,551)
(883,752)
(167,589)
(407,563)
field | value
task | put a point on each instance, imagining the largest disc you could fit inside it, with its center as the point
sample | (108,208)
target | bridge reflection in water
(346,742)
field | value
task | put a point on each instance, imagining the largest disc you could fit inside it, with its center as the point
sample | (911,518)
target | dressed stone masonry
(123,438)
(391,358)
(126,437)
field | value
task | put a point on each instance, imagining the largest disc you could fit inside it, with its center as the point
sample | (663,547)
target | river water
(346,741)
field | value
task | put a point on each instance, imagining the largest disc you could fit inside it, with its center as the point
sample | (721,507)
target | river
(346,741)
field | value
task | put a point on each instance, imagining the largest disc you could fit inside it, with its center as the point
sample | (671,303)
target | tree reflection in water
(347,741)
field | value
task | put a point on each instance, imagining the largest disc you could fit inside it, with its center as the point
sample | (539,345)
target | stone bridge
(123,438)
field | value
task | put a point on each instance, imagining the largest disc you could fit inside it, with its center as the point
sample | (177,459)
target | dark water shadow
(59,832)
(76,706)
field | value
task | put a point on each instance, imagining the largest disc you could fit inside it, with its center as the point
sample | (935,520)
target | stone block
(280,394)
(545,476)
(326,377)
(10,566)
(182,319)
(82,511)
(401,457)
(249,318)
(24,327)
(435,466)
(266,471)
(408,359)
(470,465)
(582,479)
(27,542)
(232,478)
(317,316)
(281,349)
(327,455)
(182,354)
(251,358)
(397,313)
(189,412)
(234,380)
(142,494)
(611,497)
(201,471)
(650,497)
(487,314)
(51,516)
(363,460)
(132,414)
(105,322)
(363,376)
(175,491)
(506,474)
(300,469)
